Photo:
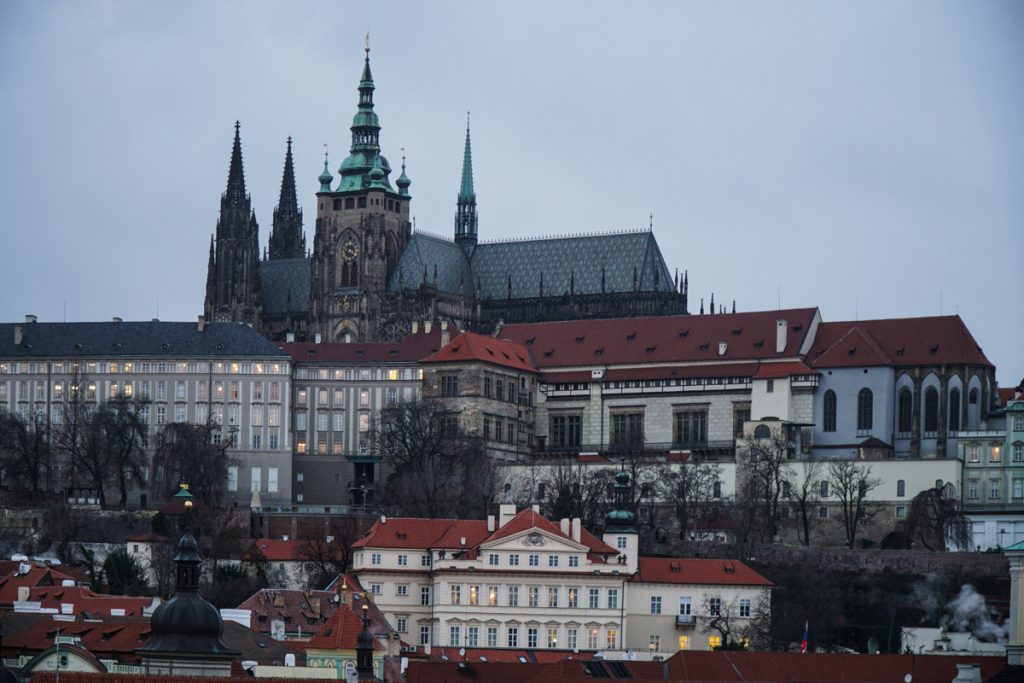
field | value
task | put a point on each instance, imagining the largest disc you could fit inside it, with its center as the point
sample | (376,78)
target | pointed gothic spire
(286,238)
(465,213)
(702,305)
(403,181)
(236,176)
(325,178)
(466,192)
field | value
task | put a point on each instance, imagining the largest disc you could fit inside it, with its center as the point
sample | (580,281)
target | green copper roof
(403,181)
(325,178)
(359,170)
(466,188)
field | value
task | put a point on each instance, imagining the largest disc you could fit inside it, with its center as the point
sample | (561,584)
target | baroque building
(371,274)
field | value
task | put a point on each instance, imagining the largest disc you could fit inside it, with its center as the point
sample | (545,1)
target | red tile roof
(148,537)
(37,575)
(341,632)
(79,677)
(411,349)
(782,370)
(414,533)
(667,339)
(84,600)
(276,550)
(469,346)
(899,341)
(701,572)
(718,667)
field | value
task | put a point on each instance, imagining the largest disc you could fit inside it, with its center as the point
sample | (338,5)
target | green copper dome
(325,178)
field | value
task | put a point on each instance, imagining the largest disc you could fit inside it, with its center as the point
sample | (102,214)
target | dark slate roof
(427,251)
(155,338)
(285,285)
(558,258)
(563,257)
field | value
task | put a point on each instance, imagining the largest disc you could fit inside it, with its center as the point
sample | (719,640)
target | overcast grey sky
(866,158)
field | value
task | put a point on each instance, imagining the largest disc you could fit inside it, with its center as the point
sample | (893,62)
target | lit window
(714,642)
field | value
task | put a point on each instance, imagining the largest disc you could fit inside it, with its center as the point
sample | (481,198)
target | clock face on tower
(350,251)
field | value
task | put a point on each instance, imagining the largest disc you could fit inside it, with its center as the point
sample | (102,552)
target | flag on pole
(803,643)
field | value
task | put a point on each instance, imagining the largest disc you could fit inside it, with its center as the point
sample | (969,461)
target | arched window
(824,489)
(865,404)
(906,410)
(954,410)
(973,397)
(901,488)
(349,275)
(830,411)
(762,432)
(931,410)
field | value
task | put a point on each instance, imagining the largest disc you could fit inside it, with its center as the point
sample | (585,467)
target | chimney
(722,348)
(490,523)
(968,673)
(29,318)
(445,335)
(536,508)
(316,337)
(415,326)
(505,514)
(284,537)
(202,323)
(780,335)
(23,593)
(577,526)
(117,319)
(383,519)
(427,326)
(18,335)
(289,337)
(69,608)
(563,525)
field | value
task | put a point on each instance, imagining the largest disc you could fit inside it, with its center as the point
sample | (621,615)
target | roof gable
(899,342)
(470,346)
(697,572)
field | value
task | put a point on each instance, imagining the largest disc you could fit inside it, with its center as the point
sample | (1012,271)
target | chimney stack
(427,326)
(505,514)
(781,334)
(29,318)
(722,348)
(415,326)
(18,335)
(577,527)
(316,338)
(289,337)
(490,523)
(202,323)
(117,319)
(563,525)
(445,335)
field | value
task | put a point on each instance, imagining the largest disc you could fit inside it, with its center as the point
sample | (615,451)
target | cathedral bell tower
(362,227)
(465,211)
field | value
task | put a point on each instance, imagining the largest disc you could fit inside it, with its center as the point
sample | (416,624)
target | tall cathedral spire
(286,238)
(364,154)
(236,175)
(233,274)
(465,214)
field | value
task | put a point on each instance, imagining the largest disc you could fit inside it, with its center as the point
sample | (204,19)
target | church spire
(465,214)
(286,238)
(364,154)
(236,176)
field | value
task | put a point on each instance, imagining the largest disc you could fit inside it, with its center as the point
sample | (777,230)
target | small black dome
(186,614)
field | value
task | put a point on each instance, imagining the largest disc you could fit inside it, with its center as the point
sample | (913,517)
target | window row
(516,636)
(356,374)
(145,367)
(571,597)
(995,489)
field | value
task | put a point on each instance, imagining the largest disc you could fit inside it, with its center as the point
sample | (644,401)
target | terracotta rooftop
(412,348)
(667,339)
(340,632)
(276,550)
(700,572)
(470,346)
(416,533)
(900,342)
(28,574)
(84,601)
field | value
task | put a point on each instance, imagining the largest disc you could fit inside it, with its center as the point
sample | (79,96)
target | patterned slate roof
(427,252)
(560,259)
(285,285)
(580,258)
(114,339)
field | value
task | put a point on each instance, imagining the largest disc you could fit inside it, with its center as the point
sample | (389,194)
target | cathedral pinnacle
(325,178)
(403,181)
(286,238)
(364,155)
(236,176)
(465,214)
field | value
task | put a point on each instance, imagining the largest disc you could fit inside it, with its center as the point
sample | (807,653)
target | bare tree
(188,454)
(121,426)
(437,469)
(851,482)
(578,490)
(766,477)
(721,616)
(935,520)
(805,492)
(324,559)
(24,451)
(692,489)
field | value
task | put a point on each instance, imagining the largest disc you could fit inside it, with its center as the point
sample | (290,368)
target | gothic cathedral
(370,276)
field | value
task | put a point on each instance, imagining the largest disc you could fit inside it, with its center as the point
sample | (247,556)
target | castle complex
(370,274)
